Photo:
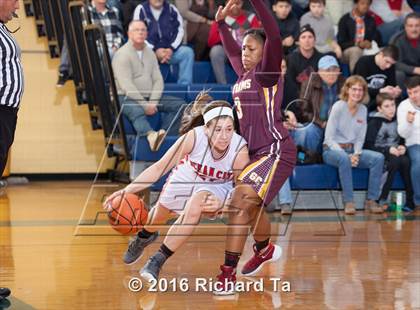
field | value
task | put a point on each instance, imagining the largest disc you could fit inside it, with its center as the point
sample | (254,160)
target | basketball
(128,214)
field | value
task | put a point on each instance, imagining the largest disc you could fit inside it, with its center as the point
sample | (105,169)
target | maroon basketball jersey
(259,113)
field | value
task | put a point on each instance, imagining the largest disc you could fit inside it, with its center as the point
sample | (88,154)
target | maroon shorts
(267,173)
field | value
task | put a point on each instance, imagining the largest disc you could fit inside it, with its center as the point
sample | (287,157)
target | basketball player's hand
(108,201)
(223,12)
(211,204)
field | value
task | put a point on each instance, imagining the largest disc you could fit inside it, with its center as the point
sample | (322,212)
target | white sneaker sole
(276,256)
(148,277)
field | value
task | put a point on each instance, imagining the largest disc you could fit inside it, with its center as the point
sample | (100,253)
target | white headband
(216,112)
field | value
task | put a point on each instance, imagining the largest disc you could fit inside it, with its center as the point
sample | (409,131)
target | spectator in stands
(101,14)
(115,4)
(165,35)
(356,33)
(382,136)
(336,9)
(323,28)
(318,94)
(199,15)
(408,44)
(140,85)
(344,138)
(408,118)
(288,24)
(389,16)
(303,61)
(300,7)
(109,18)
(127,9)
(238,22)
(379,72)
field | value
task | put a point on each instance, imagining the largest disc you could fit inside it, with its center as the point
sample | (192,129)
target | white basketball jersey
(201,163)
(200,171)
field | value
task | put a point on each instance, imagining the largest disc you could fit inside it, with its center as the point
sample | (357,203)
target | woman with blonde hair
(344,138)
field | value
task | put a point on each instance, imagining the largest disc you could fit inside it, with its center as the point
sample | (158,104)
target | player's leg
(159,215)
(179,232)
(244,207)
(264,250)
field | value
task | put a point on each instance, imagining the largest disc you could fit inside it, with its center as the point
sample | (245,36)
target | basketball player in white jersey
(205,161)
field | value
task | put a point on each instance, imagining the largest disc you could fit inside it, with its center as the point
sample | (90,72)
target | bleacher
(95,86)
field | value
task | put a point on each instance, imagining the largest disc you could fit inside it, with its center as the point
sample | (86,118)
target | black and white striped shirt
(11,72)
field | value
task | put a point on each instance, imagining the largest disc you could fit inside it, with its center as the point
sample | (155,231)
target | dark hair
(412,15)
(390,51)
(381,97)
(413,82)
(257,33)
(193,114)
(317,1)
(277,1)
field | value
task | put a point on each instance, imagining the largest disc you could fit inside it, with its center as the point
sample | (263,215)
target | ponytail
(193,114)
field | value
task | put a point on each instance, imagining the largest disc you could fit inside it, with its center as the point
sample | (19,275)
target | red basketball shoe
(270,254)
(226,281)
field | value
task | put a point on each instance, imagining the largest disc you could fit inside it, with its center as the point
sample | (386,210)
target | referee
(11,88)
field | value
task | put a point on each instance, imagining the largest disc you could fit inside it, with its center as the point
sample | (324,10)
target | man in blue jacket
(165,35)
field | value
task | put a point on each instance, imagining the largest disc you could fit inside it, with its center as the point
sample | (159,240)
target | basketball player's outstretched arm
(232,49)
(183,146)
(268,72)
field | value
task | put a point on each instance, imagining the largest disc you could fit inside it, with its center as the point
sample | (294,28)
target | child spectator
(288,24)
(382,136)
(356,32)
(323,27)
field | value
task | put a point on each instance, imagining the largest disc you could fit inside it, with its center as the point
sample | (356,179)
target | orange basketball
(128,214)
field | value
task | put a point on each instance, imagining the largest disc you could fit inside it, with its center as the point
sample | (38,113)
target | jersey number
(255,178)
(238,107)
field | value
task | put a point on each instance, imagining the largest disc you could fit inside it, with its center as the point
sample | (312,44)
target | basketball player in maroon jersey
(257,97)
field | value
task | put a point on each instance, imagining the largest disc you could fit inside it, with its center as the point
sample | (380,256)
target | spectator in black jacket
(288,24)
(382,136)
(356,31)
(302,62)
(379,72)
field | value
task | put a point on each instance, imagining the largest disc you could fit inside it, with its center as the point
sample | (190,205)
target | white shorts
(175,196)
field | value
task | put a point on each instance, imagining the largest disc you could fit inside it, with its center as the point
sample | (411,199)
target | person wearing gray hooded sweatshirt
(382,136)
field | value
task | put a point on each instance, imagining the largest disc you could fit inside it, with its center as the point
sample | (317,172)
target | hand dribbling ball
(127,213)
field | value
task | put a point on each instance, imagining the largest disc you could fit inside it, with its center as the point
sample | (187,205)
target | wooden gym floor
(55,255)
